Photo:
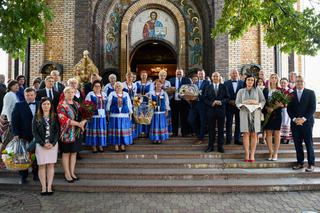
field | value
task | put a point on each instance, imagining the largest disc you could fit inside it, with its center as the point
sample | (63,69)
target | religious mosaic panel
(153,23)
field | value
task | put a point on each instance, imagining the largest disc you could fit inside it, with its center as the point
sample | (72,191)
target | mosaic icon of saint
(149,27)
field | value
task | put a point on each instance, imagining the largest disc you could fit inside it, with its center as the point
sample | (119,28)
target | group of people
(49,115)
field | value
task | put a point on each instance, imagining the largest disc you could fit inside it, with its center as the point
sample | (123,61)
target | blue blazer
(22,120)
(305,108)
(231,92)
(184,81)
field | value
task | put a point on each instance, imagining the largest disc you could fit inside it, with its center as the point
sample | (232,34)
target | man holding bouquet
(301,110)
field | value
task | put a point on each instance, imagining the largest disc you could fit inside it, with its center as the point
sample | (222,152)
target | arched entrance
(154,56)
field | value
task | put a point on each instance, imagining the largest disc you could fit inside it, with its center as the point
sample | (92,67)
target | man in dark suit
(49,92)
(179,107)
(233,86)
(57,85)
(216,97)
(301,109)
(198,108)
(22,116)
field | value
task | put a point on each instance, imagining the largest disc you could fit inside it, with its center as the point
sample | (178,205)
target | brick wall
(250,46)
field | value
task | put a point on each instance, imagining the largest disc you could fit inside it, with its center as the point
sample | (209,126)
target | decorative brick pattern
(267,56)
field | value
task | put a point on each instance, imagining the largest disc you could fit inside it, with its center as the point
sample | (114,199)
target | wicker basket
(142,112)
(189,92)
(10,165)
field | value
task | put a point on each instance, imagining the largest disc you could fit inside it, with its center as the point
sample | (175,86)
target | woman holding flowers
(119,112)
(159,126)
(71,126)
(143,90)
(96,131)
(250,101)
(273,117)
(166,85)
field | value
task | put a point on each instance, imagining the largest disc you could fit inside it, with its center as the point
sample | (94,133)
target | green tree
(20,20)
(283,25)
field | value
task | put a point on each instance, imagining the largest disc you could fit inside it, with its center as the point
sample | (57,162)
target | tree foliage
(283,25)
(20,20)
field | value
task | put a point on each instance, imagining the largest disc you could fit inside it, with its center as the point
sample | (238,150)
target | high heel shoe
(252,161)
(275,157)
(69,181)
(75,179)
(247,161)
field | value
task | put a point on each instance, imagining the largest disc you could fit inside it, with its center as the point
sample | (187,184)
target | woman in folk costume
(96,131)
(159,126)
(110,86)
(285,131)
(71,127)
(119,112)
(130,87)
(165,85)
(143,90)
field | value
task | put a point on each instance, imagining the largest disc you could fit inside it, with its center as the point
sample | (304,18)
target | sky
(3,62)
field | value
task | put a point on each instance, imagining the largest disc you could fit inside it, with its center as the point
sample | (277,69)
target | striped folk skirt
(159,127)
(96,132)
(285,131)
(119,129)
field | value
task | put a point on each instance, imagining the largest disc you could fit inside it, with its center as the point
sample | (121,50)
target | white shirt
(48,93)
(176,95)
(299,94)
(32,108)
(235,86)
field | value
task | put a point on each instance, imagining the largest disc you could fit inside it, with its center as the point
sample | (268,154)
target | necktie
(50,94)
(299,95)
(179,82)
(216,89)
(57,87)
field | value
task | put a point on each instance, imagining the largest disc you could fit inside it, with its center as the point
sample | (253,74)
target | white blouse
(9,101)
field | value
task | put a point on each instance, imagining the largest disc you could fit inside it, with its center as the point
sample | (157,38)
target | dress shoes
(238,143)
(209,149)
(310,168)
(297,167)
(221,149)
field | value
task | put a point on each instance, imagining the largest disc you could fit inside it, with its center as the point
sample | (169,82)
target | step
(203,186)
(179,174)
(145,146)
(182,163)
(182,154)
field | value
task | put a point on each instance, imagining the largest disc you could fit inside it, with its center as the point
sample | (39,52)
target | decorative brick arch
(131,11)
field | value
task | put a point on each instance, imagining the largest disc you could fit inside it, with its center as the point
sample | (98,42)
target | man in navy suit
(179,107)
(216,97)
(198,108)
(301,109)
(233,86)
(22,116)
(49,92)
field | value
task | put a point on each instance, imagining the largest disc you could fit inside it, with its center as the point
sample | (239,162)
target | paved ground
(61,202)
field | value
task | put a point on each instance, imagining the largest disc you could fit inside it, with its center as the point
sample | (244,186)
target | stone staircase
(180,166)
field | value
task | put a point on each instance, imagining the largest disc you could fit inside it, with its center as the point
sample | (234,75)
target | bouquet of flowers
(137,101)
(87,110)
(277,97)
(189,92)
(16,157)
